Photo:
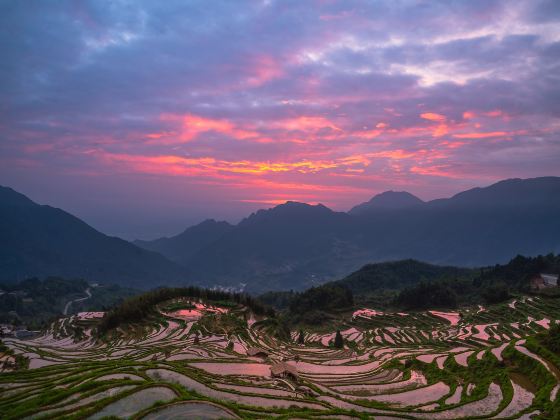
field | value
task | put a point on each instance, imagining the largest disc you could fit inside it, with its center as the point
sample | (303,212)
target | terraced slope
(482,363)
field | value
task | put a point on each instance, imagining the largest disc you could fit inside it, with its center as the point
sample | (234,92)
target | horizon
(267,206)
(144,120)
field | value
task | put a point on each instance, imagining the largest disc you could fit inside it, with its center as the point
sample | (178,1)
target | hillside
(396,275)
(34,303)
(42,241)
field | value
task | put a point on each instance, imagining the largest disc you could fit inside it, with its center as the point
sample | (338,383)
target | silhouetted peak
(290,210)
(388,200)
(208,224)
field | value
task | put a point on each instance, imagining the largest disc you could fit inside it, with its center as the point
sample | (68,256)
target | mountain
(37,240)
(296,245)
(293,245)
(182,247)
(389,200)
(481,226)
(289,246)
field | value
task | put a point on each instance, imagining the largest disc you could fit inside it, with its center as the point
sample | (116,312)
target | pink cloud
(193,125)
(263,68)
(481,135)
(305,123)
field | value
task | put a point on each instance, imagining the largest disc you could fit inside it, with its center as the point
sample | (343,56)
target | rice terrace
(199,357)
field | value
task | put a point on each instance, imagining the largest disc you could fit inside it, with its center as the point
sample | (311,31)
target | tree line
(140,307)
(491,285)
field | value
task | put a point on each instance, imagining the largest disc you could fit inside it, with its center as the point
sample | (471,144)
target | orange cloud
(207,166)
(432,116)
(435,170)
(440,130)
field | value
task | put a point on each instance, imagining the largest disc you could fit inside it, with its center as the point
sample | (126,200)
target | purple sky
(145,117)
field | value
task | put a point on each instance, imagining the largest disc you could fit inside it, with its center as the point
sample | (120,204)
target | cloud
(432,116)
(329,95)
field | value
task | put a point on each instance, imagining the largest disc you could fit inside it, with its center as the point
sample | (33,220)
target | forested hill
(414,285)
(472,285)
(396,275)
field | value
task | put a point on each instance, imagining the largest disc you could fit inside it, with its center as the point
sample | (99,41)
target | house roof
(282,367)
(253,351)
(550,278)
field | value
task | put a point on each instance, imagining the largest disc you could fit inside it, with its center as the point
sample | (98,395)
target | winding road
(88,293)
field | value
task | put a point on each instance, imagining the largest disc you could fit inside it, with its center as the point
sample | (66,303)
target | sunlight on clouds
(322,95)
(439,72)
(432,116)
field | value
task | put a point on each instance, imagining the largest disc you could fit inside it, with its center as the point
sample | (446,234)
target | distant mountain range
(293,245)
(297,245)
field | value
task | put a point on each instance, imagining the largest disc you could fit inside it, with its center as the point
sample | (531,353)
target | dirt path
(88,293)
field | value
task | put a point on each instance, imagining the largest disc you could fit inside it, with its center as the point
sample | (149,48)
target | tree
(551,338)
(427,295)
(496,293)
(329,296)
(301,338)
(338,340)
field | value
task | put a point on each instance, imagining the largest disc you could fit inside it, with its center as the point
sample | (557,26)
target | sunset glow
(174,107)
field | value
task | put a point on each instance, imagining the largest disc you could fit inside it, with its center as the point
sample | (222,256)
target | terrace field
(189,359)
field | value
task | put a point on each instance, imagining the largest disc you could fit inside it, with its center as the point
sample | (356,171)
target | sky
(145,117)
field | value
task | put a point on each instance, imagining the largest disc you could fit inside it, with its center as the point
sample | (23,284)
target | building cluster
(544,281)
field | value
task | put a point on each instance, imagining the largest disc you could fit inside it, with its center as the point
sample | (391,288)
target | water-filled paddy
(389,359)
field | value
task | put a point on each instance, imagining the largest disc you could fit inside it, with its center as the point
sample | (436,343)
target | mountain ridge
(40,240)
(296,245)
(292,245)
